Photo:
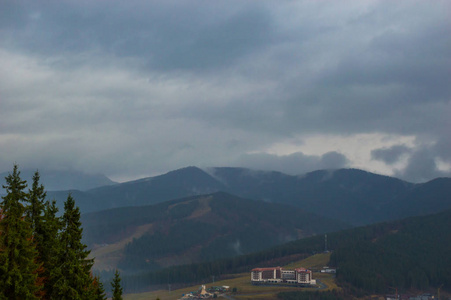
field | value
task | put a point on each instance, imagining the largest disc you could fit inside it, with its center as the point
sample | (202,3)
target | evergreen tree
(34,210)
(18,255)
(34,215)
(99,291)
(50,247)
(73,279)
(116,285)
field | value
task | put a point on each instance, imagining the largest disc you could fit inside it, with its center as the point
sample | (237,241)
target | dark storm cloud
(390,155)
(165,35)
(118,84)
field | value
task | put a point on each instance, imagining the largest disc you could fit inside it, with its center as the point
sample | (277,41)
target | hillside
(413,254)
(57,180)
(194,229)
(352,196)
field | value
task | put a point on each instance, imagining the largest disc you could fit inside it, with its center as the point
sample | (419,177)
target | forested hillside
(414,253)
(410,254)
(194,229)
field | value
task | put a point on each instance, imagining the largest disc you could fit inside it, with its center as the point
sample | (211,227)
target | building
(278,275)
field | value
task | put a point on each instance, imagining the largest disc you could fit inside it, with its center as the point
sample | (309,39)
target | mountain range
(56,180)
(352,196)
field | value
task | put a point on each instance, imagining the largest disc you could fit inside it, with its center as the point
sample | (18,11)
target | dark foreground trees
(41,255)
(116,286)
(19,265)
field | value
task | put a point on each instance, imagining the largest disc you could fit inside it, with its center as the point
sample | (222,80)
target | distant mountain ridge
(58,180)
(353,196)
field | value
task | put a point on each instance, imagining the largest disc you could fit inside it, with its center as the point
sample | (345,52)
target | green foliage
(46,226)
(116,286)
(413,254)
(41,255)
(50,247)
(99,290)
(72,278)
(18,257)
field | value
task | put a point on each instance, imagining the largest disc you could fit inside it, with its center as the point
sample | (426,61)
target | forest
(41,253)
(410,254)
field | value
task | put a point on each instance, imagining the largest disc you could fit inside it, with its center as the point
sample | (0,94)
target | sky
(137,88)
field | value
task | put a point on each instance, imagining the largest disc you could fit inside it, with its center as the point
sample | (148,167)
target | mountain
(173,185)
(55,180)
(193,229)
(350,195)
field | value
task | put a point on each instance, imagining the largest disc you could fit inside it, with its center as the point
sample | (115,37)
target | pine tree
(50,247)
(34,210)
(18,255)
(34,215)
(99,291)
(116,286)
(73,278)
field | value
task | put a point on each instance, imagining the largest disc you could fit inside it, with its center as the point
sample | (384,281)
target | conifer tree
(73,279)
(99,291)
(116,286)
(18,255)
(50,247)
(34,210)
(34,215)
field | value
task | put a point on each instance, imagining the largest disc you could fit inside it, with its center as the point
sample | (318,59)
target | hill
(413,254)
(352,196)
(194,229)
(57,180)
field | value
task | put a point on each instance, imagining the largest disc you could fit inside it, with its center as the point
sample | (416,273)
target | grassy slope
(242,282)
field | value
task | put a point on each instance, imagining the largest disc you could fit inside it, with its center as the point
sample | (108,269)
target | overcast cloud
(138,88)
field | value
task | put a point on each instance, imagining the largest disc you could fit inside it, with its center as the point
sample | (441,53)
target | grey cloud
(163,34)
(166,84)
(390,155)
(295,164)
(421,167)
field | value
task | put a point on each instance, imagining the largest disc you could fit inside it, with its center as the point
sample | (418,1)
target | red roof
(266,269)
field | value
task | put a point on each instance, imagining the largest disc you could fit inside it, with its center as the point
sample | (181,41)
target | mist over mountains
(57,180)
(353,196)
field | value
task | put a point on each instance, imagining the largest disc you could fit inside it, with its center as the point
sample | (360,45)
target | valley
(245,290)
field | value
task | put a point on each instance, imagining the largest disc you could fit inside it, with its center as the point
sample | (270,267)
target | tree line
(41,254)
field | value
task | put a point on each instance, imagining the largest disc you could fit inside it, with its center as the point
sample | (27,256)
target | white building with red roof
(299,276)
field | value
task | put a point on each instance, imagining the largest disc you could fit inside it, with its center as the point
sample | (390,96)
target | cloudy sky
(139,88)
